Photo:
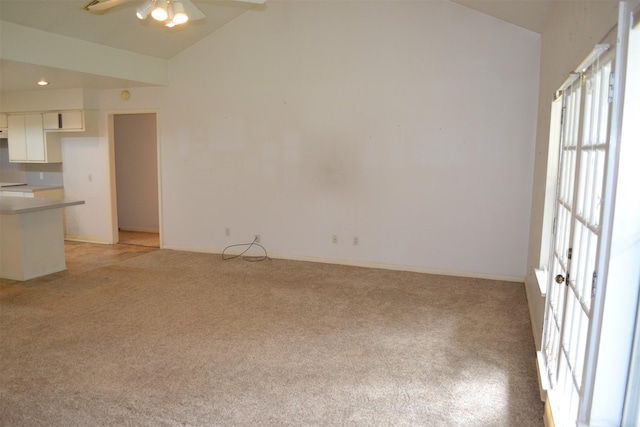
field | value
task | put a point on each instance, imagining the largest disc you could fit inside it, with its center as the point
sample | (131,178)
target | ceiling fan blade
(102,5)
(192,10)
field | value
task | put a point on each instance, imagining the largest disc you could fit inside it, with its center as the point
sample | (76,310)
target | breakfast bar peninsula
(31,237)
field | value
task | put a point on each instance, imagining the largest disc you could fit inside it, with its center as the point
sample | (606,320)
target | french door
(584,143)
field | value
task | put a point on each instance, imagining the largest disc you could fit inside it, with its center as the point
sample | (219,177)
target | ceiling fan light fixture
(143,10)
(170,21)
(160,13)
(179,15)
(169,12)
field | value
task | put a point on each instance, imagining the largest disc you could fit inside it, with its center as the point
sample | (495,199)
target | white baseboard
(367,264)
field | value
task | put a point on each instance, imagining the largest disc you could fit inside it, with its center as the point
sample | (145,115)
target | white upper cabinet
(36,137)
(65,121)
(28,142)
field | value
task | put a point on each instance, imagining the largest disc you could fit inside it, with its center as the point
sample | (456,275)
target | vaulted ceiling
(120,29)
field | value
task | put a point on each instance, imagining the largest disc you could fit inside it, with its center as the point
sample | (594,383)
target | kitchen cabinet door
(28,142)
(51,121)
(17,138)
(72,120)
(64,121)
(34,138)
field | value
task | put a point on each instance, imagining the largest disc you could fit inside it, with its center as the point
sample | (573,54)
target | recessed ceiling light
(43,82)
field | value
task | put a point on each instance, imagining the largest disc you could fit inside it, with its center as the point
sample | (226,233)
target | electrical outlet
(41,175)
(334,239)
(227,232)
(356,241)
(256,238)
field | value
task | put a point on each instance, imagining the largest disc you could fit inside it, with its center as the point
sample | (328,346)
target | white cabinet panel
(17,139)
(51,121)
(34,138)
(72,120)
(64,120)
(28,143)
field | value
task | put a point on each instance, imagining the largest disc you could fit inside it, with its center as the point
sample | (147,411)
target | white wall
(89,172)
(408,124)
(86,177)
(573,29)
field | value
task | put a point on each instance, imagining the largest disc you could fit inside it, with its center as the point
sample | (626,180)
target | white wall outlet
(227,232)
(356,240)
(334,239)
(41,175)
(256,238)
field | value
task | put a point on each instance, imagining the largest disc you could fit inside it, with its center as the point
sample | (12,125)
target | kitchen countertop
(30,188)
(20,205)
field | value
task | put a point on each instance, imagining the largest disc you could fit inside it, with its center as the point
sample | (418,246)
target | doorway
(577,233)
(136,178)
(587,354)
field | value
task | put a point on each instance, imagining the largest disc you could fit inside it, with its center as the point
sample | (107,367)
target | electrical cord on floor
(246,258)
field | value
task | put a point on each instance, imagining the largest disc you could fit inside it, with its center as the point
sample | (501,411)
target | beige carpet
(172,338)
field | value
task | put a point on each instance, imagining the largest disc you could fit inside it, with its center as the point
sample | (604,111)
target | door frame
(112,170)
(611,334)
(605,54)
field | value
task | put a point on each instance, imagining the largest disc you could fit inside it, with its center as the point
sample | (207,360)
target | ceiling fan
(170,12)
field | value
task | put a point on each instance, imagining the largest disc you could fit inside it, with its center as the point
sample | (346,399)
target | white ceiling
(119,28)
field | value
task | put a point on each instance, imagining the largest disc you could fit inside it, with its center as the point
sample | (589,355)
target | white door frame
(112,170)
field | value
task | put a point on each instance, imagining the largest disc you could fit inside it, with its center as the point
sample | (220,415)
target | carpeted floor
(172,338)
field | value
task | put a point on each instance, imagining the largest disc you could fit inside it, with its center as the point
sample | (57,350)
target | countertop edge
(30,188)
(19,205)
